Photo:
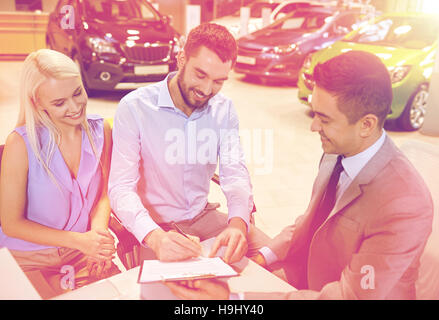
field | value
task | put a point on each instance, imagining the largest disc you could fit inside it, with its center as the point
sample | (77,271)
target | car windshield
(256,8)
(405,32)
(302,21)
(286,9)
(109,10)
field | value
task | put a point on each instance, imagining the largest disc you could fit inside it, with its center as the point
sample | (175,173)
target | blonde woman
(54,209)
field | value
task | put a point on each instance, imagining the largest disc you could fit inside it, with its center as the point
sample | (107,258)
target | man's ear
(368,124)
(181,59)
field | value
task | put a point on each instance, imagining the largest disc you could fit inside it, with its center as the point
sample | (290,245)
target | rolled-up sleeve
(124,174)
(233,173)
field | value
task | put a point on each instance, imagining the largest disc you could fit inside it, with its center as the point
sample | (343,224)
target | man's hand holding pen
(173,245)
(176,245)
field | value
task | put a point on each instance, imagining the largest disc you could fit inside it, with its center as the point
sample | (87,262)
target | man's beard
(184,91)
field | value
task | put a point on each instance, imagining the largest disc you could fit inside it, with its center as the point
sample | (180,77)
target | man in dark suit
(370,213)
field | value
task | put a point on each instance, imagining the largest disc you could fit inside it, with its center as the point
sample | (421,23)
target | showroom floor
(282,178)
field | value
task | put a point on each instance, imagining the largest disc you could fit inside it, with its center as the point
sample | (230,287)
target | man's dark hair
(214,37)
(360,82)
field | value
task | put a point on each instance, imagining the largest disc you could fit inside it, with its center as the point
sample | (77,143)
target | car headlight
(307,62)
(397,74)
(285,49)
(100,45)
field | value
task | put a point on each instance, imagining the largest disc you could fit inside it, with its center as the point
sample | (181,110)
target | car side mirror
(280,15)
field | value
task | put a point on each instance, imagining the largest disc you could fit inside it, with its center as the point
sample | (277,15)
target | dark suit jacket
(370,244)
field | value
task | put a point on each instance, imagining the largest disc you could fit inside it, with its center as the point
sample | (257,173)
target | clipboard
(199,268)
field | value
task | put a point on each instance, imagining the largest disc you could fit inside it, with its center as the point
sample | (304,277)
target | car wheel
(413,115)
(84,82)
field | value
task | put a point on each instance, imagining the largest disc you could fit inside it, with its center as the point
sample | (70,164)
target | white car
(233,22)
(279,8)
(288,6)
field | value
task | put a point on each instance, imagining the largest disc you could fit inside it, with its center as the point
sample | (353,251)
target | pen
(176,227)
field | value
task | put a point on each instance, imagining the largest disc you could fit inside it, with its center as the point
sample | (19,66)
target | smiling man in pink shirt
(168,139)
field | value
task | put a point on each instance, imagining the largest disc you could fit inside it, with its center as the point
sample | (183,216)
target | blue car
(279,50)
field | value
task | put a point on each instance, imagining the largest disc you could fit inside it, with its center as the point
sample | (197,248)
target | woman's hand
(98,268)
(97,244)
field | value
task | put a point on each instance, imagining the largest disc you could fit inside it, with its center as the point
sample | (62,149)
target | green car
(406,43)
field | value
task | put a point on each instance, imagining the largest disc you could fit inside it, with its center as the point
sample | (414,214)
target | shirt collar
(353,165)
(165,100)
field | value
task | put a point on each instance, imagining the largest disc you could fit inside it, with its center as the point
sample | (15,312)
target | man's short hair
(214,37)
(360,82)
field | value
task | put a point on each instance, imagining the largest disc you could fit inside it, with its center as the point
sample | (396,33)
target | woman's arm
(13,186)
(100,214)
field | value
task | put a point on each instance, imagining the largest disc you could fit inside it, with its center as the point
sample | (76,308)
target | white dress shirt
(163,160)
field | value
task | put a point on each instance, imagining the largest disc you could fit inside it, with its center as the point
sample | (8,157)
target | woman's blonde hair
(37,68)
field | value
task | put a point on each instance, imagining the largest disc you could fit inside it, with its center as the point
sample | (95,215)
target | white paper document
(198,268)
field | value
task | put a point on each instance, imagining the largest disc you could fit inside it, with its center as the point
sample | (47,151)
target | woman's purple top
(65,206)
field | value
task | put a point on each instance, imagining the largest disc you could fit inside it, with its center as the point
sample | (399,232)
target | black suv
(118,44)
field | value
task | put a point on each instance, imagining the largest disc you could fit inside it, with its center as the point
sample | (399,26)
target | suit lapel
(322,180)
(370,170)
(351,193)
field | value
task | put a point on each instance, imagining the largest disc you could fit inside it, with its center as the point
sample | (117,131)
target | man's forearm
(151,238)
(128,207)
